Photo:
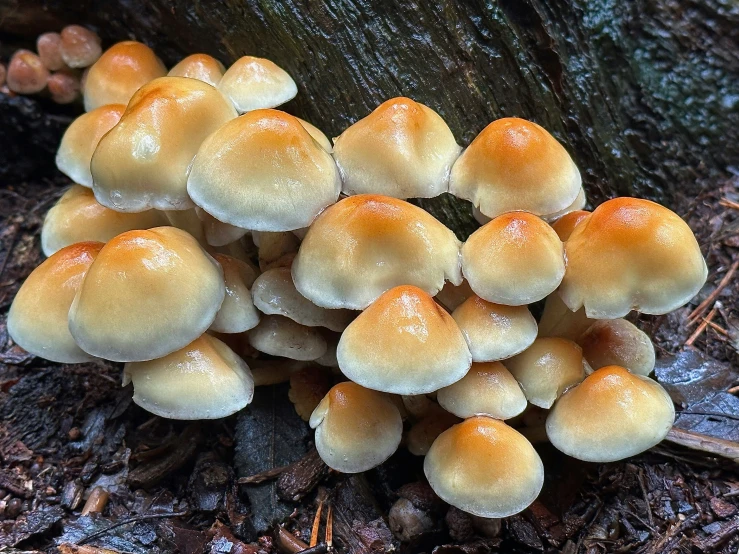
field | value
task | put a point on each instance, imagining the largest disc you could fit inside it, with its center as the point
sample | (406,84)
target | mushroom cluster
(207,229)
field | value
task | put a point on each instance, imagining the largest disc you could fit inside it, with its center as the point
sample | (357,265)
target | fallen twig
(704,443)
(701,327)
(695,314)
(127,521)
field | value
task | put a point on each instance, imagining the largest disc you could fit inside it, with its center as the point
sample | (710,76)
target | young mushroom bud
(26,74)
(64,87)
(256,83)
(404,343)
(254,171)
(618,342)
(484,467)
(611,415)
(147,294)
(199,66)
(514,164)
(631,254)
(567,223)
(143,161)
(557,320)
(48,46)
(515,259)
(402,149)
(37,320)
(237,313)
(387,241)
(280,336)
(80,47)
(203,380)
(356,428)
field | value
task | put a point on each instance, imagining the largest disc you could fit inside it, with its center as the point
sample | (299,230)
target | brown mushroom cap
(237,313)
(404,343)
(147,294)
(515,259)
(64,87)
(308,386)
(280,336)
(80,47)
(567,223)
(557,320)
(484,467)
(37,320)
(618,342)
(48,46)
(199,66)
(631,254)
(257,83)
(143,162)
(356,428)
(387,241)
(26,74)
(611,415)
(402,149)
(515,164)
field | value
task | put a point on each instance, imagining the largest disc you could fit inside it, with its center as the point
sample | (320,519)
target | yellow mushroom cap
(515,259)
(404,343)
(281,336)
(484,467)
(618,342)
(147,294)
(557,320)
(257,170)
(143,162)
(81,138)
(119,73)
(611,415)
(318,135)
(237,313)
(631,254)
(257,83)
(78,217)
(356,428)
(402,149)
(203,380)
(567,223)
(199,66)
(493,331)
(387,241)
(37,320)
(547,368)
(514,164)
(487,389)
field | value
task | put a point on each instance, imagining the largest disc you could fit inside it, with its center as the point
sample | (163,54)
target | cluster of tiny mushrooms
(184,178)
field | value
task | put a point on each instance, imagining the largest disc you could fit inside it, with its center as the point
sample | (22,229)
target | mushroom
(48,46)
(203,380)
(402,149)
(147,294)
(404,343)
(564,225)
(356,428)
(557,320)
(188,221)
(37,320)
(79,47)
(317,135)
(547,368)
(64,87)
(487,389)
(611,415)
(275,249)
(280,336)
(237,313)
(26,74)
(119,72)
(199,66)
(256,83)
(451,295)
(78,217)
(308,386)
(515,259)
(329,358)
(424,432)
(80,140)
(218,233)
(514,164)
(484,467)
(143,161)
(387,241)
(618,342)
(274,293)
(493,331)
(631,254)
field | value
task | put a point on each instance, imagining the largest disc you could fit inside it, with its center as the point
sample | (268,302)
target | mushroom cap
(308,386)
(578,204)
(493,331)
(547,368)
(387,241)
(404,343)
(237,313)
(487,389)
(26,73)
(203,380)
(119,73)
(218,233)
(514,164)
(274,293)
(257,83)
(63,86)
(564,225)
(611,415)
(143,161)
(618,342)
(402,149)
(318,135)
(631,254)
(37,320)
(80,47)
(356,428)
(78,217)
(451,296)
(557,320)
(255,170)
(147,294)
(48,46)
(514,259)
(484,467)
(280,336)
(199,66)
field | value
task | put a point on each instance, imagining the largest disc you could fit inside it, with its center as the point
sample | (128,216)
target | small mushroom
(257,83)
(618,342)
(199,66)
(48,46)
(567,223)
(64,87)
(557,320)
(611,415)
(79,47)
(356,428)
(280,336)
(26,74)
(237,313)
